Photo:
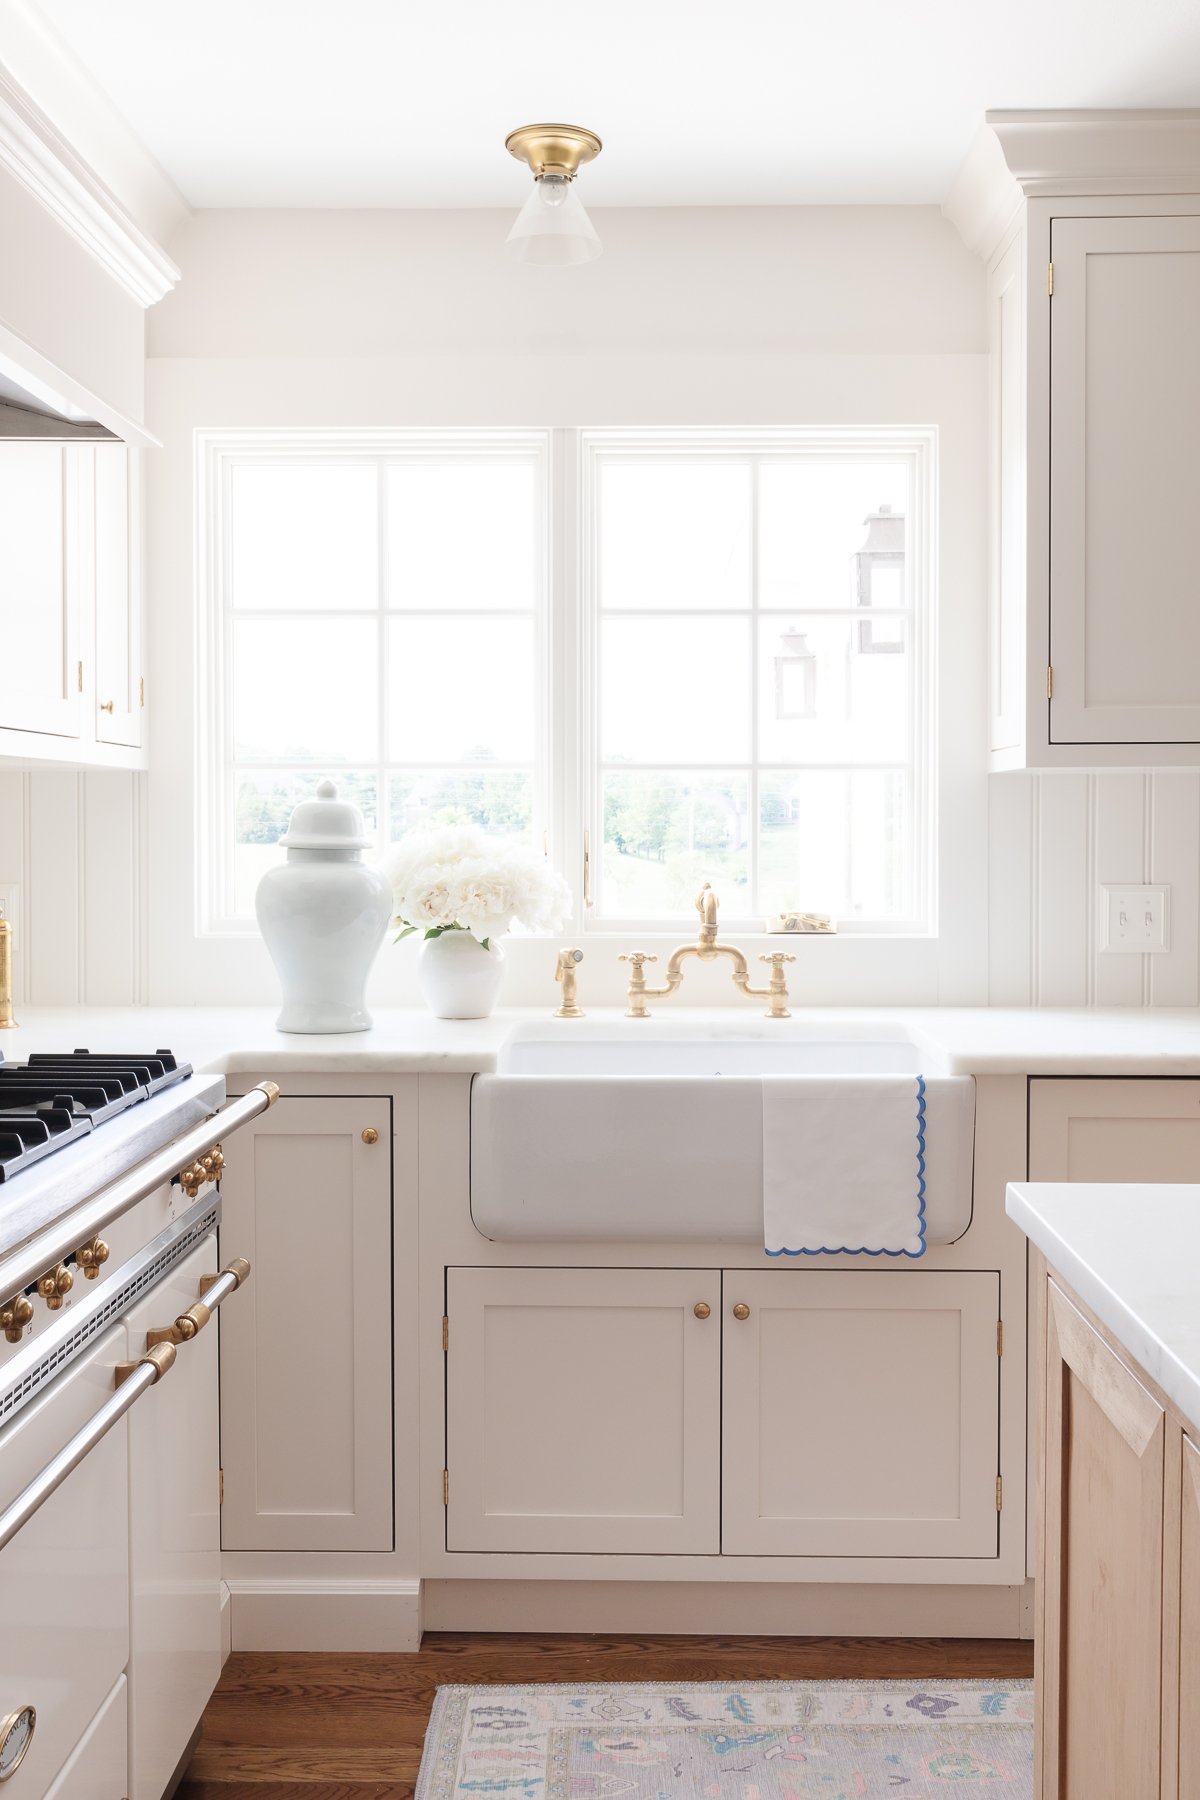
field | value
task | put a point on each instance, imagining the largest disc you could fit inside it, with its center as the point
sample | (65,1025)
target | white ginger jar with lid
(322,914)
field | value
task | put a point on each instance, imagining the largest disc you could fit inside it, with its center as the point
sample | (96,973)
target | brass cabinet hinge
(1050,281)
(999,1337)
(999,1493)
(1050,682)
(445,1487)
(141,690)
(445,1332)
(79,676)
(220,1487)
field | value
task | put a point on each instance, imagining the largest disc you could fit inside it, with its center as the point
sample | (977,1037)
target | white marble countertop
(1131,1252)
(962,1040)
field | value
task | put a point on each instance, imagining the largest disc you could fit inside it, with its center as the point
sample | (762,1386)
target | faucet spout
(707,949)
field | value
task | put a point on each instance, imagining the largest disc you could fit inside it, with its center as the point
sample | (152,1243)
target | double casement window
(662,657)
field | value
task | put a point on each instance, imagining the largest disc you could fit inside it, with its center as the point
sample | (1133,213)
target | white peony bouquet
(459,879)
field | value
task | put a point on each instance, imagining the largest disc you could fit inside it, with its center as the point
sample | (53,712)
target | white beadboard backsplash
(74,844)
(1054,840)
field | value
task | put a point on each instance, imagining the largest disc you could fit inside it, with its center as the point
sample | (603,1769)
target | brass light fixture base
(553,149)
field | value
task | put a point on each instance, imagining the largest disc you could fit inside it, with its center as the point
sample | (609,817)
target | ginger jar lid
(325,823)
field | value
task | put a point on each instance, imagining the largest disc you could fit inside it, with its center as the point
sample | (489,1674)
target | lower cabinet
(306,1350)
(861,1413)
(583,1410)
(775,1413)
(1184,1667)
(1101,1575)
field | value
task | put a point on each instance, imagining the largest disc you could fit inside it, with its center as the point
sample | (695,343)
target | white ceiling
(700,102)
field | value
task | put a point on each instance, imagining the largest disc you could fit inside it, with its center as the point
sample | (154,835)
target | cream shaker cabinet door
(118,684)
(1185,1670)
(583,1410)
(1124,405)
(1099,1672)
(40,576)
(306,1353)
(1114,1131)
(174,1533)
(861,1413)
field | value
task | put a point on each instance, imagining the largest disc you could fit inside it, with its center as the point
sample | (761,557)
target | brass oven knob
(205,1168)
(54,1284)
(89,1256)
(702,1309)
(741,1310)
(14,1316)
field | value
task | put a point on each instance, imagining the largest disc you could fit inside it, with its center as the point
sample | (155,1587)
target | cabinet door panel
(174,1535)
(39,494)
(1124,401)
(1114,1131)
(1099,1666)
(1189,1624)
(118,610)
(861,1414)
(306,1363)
(583,1410)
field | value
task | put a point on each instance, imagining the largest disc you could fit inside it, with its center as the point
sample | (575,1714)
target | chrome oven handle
(213,1289)
(20,1270)
(142,1375)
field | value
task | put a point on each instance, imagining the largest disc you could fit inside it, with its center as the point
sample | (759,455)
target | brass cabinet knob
(106,706)
(54,1284)
(14,1317)
(370,1135)
(741,1310)
(702,1309)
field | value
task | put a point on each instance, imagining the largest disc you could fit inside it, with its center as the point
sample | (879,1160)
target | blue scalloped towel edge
(827,1250)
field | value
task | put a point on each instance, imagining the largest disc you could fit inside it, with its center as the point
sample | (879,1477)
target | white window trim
(217,454)
(916,446)
(567,800)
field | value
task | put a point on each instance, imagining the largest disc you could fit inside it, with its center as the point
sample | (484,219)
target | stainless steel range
(109,1201)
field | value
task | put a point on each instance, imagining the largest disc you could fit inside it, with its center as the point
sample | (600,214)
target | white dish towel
(844,1162)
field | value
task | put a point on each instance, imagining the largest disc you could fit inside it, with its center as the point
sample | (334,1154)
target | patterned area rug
(762,1740)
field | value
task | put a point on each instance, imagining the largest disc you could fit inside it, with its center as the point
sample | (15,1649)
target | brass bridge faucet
(707,949)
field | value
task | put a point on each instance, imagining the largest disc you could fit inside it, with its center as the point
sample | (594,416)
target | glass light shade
(552,227)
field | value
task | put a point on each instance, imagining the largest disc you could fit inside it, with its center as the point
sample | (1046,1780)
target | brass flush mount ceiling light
(552,226)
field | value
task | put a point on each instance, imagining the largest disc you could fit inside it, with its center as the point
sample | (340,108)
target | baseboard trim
(325,1615)
(741,1608)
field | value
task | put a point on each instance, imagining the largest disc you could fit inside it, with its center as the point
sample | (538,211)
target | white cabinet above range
(72,685)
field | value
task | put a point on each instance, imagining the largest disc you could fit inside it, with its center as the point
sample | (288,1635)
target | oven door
(174,1534)
(64,1577)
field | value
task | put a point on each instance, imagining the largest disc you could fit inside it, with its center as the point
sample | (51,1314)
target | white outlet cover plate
(1135,919)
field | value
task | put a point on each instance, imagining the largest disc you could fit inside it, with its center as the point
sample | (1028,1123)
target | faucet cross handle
(777,989)
(637,960)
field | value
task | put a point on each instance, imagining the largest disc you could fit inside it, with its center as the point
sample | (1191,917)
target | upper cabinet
(72,686)
(1090,225)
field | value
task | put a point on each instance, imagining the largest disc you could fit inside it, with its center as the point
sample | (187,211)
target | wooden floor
(326,1727)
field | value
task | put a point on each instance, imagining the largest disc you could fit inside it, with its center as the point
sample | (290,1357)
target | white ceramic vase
(323,914)
(458,978)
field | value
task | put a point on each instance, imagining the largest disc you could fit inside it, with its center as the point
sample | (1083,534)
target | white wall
(696,316)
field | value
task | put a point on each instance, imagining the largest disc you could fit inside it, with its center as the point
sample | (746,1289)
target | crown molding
(1019,156)
(36,154)
(986,198)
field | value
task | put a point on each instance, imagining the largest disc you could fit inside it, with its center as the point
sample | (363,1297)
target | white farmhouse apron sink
(650,1131)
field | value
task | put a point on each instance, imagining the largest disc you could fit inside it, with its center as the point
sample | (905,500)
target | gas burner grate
(52,1100)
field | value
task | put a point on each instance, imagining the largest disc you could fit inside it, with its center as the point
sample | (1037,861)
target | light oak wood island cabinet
(1118,1571)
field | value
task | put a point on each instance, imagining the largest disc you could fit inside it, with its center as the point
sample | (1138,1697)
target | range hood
(31,409)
